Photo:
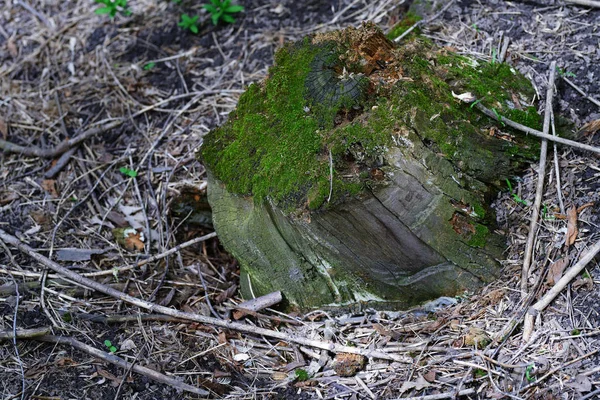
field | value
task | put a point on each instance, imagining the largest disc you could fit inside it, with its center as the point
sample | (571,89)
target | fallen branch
(24,333)
(539,191)
(587,3)
(535,132)
(113,359)
(440,396)
(34,151)
(571,273)
(325,345)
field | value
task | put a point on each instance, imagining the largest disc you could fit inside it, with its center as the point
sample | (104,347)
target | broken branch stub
(403,215)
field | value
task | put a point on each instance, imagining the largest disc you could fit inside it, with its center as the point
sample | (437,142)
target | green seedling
(498,116)
(528,372)
(515,196)
(494,56)
(190,23)
(149,66)
(110,346)
(129,172)
(112,7)
(479,373)
(222,11)
(562,72)
(575,332)
(301,375)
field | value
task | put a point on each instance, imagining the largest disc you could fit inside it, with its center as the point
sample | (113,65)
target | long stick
(571,273)
(535,132)
(539,192)
(330,346)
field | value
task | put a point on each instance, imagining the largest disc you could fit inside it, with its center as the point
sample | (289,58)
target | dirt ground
(155,90)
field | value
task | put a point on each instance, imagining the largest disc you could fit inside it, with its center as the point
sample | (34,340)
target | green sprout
(562,72)
(528,372)
(494,56)
(112,7)
(301,375)
(498,116)
(575,332)
(222,11)
(129,172)
(515,196)
(110,346)
(188,22)
(149,66)
(479,373)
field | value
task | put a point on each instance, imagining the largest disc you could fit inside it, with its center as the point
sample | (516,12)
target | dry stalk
(557,288)
(333,347)
(539,192)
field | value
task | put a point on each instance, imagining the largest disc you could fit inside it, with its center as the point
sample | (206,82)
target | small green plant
(575,332)
(188,22)
(112,7)
(498,116)
(110,346)
(301,375)
(479,373)
(586,275)
(494,56)
(129,172)
(222,11)
(568,74)
(528,371)
(149,66)
(515,196)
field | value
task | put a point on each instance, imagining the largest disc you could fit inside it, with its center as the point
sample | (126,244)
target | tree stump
(351,176)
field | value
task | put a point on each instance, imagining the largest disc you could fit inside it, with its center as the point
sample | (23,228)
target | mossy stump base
(353,176)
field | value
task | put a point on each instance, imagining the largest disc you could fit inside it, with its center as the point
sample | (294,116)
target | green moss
(316,100)
(409,19)
(479,238)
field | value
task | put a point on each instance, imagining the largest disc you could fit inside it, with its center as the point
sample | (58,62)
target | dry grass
(66,72)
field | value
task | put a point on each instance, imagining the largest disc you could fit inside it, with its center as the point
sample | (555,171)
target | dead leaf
(347,364)
(581,383)
(466,97)
(591,127)
(572,230)
(134,241)
(417,385)
(585,282)
(226,294)
(129,238)
(12,48)
(385,332)
(477,337)
(7,197)
(49,185)
(556,270)
(114,381)
(430,376)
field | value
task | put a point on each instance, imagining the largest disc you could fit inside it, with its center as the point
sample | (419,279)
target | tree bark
(353,177)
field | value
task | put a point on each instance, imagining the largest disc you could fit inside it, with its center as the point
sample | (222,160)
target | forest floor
(141,93)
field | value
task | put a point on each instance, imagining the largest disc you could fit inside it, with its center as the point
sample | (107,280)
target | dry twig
(557,288)
(333,347)
(539,192)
